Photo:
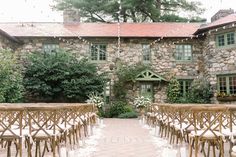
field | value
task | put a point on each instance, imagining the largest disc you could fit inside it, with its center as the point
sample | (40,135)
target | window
(98,52)
(50,48)
(227,84)
(183,52)
(225,39)
(146,50)
(146,89)
(221,40)
(184,87)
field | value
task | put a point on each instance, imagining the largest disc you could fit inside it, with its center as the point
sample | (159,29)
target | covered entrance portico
(147,81)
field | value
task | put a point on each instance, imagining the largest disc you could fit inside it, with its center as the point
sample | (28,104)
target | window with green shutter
(98,52)
(225,39)
(227,84)
(185,86)
(50,48)
(183,52)
(146,52)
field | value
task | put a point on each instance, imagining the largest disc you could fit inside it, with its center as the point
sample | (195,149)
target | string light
(119,29)
(154,42)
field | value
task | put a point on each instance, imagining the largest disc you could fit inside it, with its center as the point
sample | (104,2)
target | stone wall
(5,43)
(218,61)
(162,61)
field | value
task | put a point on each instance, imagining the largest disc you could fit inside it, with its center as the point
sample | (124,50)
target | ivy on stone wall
(126,75)
(61,77)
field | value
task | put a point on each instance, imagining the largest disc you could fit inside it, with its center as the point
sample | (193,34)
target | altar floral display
(142,102)
(96,99)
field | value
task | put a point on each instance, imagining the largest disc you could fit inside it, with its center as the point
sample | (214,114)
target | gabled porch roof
(149,75)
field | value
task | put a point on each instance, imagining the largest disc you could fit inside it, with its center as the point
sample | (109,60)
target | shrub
(173,91)
(128,115)
(200,91)
(61,77)
(11,85)
(115,109)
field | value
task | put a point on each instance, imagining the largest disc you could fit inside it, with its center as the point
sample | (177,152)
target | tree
(11,85)
(133,10)
(61,77)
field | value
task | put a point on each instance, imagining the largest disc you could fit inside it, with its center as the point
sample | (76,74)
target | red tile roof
(221,22)
(100,29)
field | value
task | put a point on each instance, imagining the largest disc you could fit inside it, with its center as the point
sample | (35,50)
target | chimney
(71,16)
(222,13)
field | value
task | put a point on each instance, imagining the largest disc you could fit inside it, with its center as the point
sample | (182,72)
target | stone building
(186,50)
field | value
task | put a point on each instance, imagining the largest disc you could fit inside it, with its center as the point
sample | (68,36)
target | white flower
(142,101)
(96,99)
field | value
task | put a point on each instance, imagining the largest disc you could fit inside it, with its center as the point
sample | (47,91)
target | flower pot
(227,98)
(142,110)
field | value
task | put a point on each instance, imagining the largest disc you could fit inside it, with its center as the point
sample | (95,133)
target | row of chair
(202,126)
(43,125)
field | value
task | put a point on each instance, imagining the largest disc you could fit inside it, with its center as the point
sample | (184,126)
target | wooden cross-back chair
(43,127)
(182,123)
(11,128)
(210,121)
(164,121)
(154,116)
(230,129)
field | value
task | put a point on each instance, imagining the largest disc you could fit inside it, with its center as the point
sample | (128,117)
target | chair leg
(208,150)
(8,148)
(28,146)
(214,150)
(53,146)
(190,148)
(17,148)
(196,146)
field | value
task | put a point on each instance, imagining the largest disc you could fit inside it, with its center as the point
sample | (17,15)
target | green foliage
(173,91)
(115,109)
(126,74)
(200,91)
(61,78)
(11,85)
(128,115)
(132,10)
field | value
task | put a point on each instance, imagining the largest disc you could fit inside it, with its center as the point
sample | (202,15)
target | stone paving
(129,138)
(125,138)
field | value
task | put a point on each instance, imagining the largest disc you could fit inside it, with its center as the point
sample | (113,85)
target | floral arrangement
(96,99)
(223,94)
(142,102)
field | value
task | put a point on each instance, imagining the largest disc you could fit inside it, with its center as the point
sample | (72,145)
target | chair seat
(186,127)
(227,132)
(207,134)
(45,133)
(15,132)
(62,127)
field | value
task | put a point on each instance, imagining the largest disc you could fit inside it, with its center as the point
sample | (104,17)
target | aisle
(125,138)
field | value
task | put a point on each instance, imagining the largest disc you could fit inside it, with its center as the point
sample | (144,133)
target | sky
(41,11)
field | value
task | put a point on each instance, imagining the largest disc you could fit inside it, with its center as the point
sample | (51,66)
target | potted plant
(141,103)
(97,100)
